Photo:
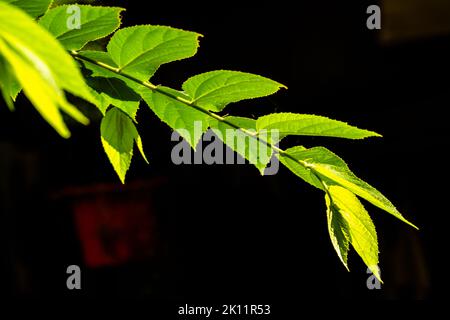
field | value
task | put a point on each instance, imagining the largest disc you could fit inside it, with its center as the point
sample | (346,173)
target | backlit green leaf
(298,169)
(310,125)
(40,86)
(115,92)
(352,223)
(34,8)
(332,168)
(118,134)
(187,121)
(139,51)
(109,87)
(339,231)
(19,30)
(255,151)
(94,23)
(9,86)
(214,90)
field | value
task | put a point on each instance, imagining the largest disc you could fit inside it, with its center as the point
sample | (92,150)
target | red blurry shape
(115,226)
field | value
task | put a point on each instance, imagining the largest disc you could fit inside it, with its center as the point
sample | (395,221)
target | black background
(230,235)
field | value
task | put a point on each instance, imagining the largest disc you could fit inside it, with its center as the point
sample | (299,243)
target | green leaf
(334,170)
(94,23)
(97,71)
(40,87)
(20,31)
(339,231)
(109,87)
(113,91)
(291,162)
(140,147)
(118,134)
(214,90)
(310,125)
(187,121)
(255,151)
(352,223)
(139,51)
(34,8)
(9,86)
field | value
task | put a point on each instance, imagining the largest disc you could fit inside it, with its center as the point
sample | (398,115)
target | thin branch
(213,115)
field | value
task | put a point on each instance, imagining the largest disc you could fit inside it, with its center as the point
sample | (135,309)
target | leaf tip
(408,222)
(376,134)
(376,272)
(413,225)
(85,121)
(344,261)
(369,134)
(65,134)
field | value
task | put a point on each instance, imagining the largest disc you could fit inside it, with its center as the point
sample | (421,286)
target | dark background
(224,233)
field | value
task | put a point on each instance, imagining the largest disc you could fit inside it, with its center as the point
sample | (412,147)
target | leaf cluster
(44,56)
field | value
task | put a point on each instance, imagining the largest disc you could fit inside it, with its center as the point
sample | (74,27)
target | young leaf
(40,86)
(139,51)
(188,122)
(297,168)
(9,86)
(310,125)
(118,136)
(352,223)
(97,71)
(95,23)
(113,91)
(255,151)
(339,231)
(18,29)
(111,88)
(214,90)
(332,168)
(140,147)
(34,8)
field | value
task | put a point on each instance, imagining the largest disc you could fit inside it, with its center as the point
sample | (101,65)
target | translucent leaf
(139,51)
(140,147)
(115,92)
(9,86)
(94,23)
(118,134)
(97,71)
(310,125)
(333,169)
(34,8)
(187,121)
(40,87)
(351,222)
(109,87)
(214,90)
(20,30)
(339,231)
(255,151)
(298,169)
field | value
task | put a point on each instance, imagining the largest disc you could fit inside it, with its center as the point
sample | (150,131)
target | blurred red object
(115,224)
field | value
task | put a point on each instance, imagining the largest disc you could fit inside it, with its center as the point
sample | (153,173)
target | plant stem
(156,88)
(189,103)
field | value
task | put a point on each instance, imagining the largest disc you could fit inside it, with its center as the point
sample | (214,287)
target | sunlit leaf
(214,90)
(94,23)
(350,222)
(139,51)
(118,134)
